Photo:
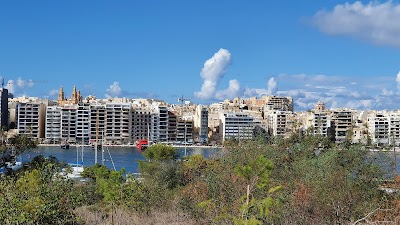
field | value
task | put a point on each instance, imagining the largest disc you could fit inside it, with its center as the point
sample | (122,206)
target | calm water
(126,157)
(123,157)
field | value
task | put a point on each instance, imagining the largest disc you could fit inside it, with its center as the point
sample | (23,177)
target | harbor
(122,156)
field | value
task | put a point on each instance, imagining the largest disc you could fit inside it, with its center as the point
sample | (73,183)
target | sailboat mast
(102,147)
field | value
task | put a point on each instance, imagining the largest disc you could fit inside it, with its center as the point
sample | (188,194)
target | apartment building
(159,120)
(53,124)
(236,126)
(141,123)
(278,122)
(172,124)
(97,122)
(82,123)
(278,103)
(342,121)
(118,123)
(31,119)
(321,123)
(384,127)
(200,122)
(68,123)
(184,130)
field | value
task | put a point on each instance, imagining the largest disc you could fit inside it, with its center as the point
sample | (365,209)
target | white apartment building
(321,123)
(31,119)
(384,127)
(159,121)
(236,125)
(68,123)
(200,122)
(82,123)
(278,122)
(184,130)
(53,124)
(118,123)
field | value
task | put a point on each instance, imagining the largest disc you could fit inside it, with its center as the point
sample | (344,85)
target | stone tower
(60,96)
(74,97)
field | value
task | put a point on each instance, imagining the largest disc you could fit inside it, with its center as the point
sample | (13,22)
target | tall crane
(182,100)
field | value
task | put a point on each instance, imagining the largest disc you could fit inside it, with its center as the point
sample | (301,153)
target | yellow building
(75,98)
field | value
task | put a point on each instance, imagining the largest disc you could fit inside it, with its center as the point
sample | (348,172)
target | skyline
(344,54)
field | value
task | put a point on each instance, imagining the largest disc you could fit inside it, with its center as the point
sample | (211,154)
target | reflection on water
(123,157)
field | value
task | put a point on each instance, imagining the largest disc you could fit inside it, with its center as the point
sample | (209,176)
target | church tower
(74,96)
(60,96)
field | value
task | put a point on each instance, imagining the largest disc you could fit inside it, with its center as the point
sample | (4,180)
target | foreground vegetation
(301,180)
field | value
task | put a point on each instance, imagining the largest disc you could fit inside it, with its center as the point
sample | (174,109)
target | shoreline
(128,146)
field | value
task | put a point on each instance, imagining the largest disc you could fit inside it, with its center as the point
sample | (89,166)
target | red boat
(142,144)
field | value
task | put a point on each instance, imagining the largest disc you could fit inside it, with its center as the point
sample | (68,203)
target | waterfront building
(184,130)
(31,119)
(172,124)
(159,121)
(141,123)
(68,123)
(118,123)
(82,123)
(53,124)
(97,122)
(236,126)
(200,122)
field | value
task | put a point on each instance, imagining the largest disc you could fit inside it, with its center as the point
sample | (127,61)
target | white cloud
(387,92)
(231,92)
(11,86)
(24,83)
(213,70)
(375,22)
(373,92)
(271,86)
(398,81)
(114,90)
(15,86)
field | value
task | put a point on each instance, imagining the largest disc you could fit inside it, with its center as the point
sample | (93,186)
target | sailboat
(77,168)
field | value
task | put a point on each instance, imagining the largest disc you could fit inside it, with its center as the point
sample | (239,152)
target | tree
(14,146)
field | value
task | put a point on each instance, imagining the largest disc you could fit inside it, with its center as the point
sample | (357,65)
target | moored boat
(64,146)
(142,144)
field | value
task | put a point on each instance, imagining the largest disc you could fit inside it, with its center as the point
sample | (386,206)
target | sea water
(122,157)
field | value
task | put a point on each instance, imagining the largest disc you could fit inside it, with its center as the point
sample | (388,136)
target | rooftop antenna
(2,83)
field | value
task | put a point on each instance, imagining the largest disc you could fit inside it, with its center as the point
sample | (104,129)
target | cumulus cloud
(374,22)
(373,92)
(231,92)
(271,86)
(213,70)
(14,86)
(114,90)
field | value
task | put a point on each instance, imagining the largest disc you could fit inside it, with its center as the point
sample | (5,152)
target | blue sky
(345,54)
